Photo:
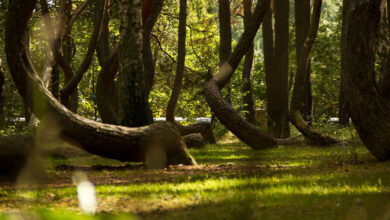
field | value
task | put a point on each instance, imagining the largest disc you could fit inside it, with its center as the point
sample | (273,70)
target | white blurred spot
(85,193)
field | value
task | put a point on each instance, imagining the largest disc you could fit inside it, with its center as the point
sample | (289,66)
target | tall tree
(247,73)
(133,103)
(368,108)
(116,142)
(225,37)
(302,24)
(180,64)
(298,97)
(276,61)
(343,114)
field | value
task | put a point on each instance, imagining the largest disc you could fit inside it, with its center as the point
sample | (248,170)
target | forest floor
(231,182)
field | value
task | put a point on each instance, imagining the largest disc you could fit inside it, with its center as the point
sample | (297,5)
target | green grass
(232,182)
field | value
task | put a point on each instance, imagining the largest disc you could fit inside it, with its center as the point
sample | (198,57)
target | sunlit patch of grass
(289,182)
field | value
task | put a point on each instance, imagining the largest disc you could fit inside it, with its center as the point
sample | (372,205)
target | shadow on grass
(284,206)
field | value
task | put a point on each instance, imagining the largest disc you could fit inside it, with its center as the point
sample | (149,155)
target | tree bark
(247,73)
(229,117)
(299,96)
(133,103)
(180,64)
(110,141)
(225,38)
(369,110)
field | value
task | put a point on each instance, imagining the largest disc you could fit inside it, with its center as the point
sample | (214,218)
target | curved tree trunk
(299,96)
(110,141)
(247,73)
(229,117)
(181,56)
(368,109)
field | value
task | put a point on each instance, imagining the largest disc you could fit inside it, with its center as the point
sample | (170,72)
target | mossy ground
(231,182)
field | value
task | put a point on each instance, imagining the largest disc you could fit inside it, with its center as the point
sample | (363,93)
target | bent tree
(299,95)
(368,108)
(116,142)
(228,116)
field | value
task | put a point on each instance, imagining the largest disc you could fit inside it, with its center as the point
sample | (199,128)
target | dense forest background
(202,41)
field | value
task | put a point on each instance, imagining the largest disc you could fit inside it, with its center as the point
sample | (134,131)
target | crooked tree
(368,108)
(116,142)
(299,90)
(228,116)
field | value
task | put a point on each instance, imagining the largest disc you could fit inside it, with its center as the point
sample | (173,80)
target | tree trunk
(194,140)
(70,102)
(133,103)
(151,9)
(203,128)
(230,118)
(55,81)
(225,38)
(276,61)
(116,142)
(247,73)
(181,55)
(343,114)
(280,91)
(369,110)
(302,24)
(2,103)
(106,98)
(299,96)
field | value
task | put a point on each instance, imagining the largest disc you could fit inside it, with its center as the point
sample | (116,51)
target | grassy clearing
(232,182)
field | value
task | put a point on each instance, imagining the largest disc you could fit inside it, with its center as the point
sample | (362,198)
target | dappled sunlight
(231,181)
